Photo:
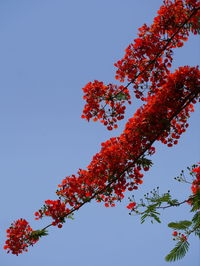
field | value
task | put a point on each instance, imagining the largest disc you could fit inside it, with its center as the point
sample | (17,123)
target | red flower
(131,206)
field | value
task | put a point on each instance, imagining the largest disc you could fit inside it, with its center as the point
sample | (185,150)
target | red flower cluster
(99,96)
(115,166)
(196,183)
(55,209)
(179,236)
(19,237)
(149,58)
(146,62)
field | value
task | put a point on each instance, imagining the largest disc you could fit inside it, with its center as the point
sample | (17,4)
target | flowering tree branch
(168,103)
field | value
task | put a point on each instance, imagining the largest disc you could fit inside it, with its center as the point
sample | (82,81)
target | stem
(175,204)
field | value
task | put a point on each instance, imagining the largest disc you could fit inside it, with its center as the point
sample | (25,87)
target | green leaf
(197,232)
(151,208)
(165,197)
(196,224)
(173,202)
(182,225)
(37,234)
(178,252)
(71,216)
(157,219)
(144,162)
(150,214)
(196,202)
(121,96)
(196,219)
(143,217)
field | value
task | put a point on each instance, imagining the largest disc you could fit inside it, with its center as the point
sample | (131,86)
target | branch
(175,204)
(185,102)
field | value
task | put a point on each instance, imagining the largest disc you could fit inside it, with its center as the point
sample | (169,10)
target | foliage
(178,252)
(182,225)
(37,234)
(153,202)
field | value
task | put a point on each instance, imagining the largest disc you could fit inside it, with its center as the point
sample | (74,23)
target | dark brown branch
(175,204)
(185,102)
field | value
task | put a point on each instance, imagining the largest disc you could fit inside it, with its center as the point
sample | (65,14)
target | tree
(164,118)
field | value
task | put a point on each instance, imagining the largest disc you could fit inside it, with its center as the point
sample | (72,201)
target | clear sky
(49,50)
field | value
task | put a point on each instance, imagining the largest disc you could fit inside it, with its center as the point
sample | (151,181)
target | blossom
(19,237)
(196,183)
(131,205)
(99,96)
(159,119)
(146,63)
(55,209)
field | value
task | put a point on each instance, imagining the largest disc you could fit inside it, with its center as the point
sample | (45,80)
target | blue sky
(48,51)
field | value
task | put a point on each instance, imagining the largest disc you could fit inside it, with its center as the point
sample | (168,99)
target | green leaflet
(196,201)
(182,225)
(196,224)
(151,213)
(197,232)
(196,219)
(71,216)
(178,252)
(37,234)
(121,96)
(144,162)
